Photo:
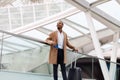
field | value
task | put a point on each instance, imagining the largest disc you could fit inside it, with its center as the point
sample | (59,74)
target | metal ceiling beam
(72,24)
(96,13)
(97,46)
(96,3)
(118,1)
(6,2)
(113,67)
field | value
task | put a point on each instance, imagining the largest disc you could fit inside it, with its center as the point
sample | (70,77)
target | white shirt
(60,40)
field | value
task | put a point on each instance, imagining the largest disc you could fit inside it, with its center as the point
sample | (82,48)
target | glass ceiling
(20,15)
(74,25)
(35,34)
(80,19)
(70,32)
(112,8)
(91,1)
(15,44)
(20,44)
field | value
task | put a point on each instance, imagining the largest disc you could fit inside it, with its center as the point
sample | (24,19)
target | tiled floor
(25,76)
(22,76)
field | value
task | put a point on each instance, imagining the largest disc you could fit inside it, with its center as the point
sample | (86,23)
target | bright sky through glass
(112,8)
(91,1)
(35,34)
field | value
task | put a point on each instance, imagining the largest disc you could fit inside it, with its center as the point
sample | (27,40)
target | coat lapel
(56,37)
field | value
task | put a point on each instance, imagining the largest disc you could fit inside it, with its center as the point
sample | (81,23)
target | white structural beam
(98,2)
(118,1)
(114,56)
(6,2)
(97,46)
(99,15)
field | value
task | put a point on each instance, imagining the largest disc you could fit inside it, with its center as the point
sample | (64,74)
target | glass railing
(27,55)
(90,66)
(21,55)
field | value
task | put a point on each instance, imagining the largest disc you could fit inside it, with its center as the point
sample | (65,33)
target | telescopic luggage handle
(75,62)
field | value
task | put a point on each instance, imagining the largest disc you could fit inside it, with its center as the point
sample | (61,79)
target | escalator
(31,56)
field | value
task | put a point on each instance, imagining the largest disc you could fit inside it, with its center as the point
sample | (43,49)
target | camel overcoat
(53,51)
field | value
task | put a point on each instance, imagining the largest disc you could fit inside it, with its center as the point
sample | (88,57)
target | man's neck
(60,30)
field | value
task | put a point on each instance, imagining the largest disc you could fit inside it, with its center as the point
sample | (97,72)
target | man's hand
(50,42)
(75,49)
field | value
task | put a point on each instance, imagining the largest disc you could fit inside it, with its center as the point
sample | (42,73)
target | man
(58,42)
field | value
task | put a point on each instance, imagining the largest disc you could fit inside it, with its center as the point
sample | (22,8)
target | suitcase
(74,73)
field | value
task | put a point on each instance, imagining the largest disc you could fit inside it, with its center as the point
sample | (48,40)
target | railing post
(21,15)
(1,52)
(9,18)
(34,13)
(92,68)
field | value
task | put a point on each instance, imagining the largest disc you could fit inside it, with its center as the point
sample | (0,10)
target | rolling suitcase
(74,73)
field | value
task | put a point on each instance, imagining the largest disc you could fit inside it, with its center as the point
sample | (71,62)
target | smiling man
(58,43)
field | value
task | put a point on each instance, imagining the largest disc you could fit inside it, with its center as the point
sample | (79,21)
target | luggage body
(74,72)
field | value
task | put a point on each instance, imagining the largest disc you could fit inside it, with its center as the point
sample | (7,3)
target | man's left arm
(71,46)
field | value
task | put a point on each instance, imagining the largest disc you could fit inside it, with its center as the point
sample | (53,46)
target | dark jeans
(60,60)
(55,71)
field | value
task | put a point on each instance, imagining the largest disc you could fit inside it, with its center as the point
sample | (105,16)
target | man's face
(60,25)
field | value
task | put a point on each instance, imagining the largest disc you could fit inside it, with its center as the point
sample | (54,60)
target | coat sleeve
(49,38)
(69,44)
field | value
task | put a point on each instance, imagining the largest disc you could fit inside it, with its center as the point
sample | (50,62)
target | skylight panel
(112,8)
(80,19)
(91,1)
(71,32)
(17,3)
(35,34)
(98,26)
(51,26)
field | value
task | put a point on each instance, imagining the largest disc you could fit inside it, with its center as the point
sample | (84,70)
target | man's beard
(58,28)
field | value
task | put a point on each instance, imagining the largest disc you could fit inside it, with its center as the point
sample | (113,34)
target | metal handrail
(43,42)
(23,36)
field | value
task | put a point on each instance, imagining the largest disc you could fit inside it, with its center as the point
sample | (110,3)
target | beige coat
(53,51)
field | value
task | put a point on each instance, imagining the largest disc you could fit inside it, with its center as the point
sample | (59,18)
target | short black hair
(60,21)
